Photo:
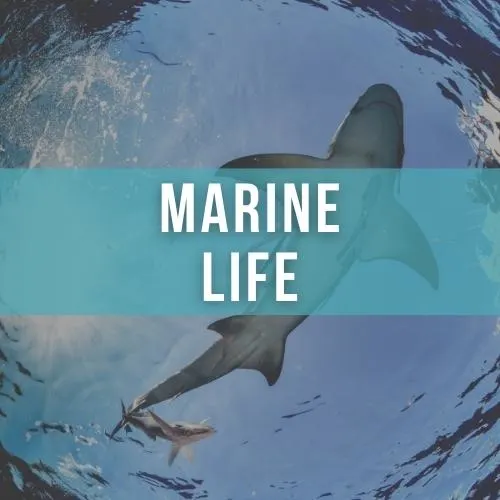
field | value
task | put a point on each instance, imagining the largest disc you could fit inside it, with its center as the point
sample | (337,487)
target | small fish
(181,434)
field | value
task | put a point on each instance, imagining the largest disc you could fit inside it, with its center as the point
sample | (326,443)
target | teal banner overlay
(90,242)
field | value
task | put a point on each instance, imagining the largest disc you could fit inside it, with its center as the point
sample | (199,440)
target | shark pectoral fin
(392,233)
(235,169)
(274,160)
(268,362)
(174,451)
(188,453)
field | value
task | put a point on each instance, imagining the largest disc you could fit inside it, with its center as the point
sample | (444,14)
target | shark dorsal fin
(392,233)
(227,327)
(174,451)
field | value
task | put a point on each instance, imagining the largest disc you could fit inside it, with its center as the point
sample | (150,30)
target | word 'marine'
(181,216)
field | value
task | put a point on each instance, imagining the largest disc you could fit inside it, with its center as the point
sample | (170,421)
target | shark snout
(381,93)
(372,133)
(382,102)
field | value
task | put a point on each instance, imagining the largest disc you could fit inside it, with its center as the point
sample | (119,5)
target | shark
(370,136)
(181,434)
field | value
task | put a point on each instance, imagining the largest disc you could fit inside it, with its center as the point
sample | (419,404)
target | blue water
(365,408)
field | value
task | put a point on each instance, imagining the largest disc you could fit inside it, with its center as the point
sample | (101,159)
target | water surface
(366,407)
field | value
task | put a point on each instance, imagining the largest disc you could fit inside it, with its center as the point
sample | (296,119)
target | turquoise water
(387,407)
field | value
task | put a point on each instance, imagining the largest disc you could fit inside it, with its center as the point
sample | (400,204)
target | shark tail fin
(174,451)
(268,359)
(121,423)
(392,233)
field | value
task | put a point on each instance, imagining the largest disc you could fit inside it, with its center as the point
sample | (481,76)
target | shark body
(180,434)
(371,136)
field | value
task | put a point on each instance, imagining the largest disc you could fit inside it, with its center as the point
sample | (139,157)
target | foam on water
(71,104)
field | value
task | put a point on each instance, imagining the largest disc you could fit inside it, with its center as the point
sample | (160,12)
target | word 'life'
(253,276)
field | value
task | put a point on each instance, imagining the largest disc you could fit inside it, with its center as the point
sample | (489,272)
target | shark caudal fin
(267,358)
(121,423)
(392,233)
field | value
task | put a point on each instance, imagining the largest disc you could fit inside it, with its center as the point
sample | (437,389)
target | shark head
(372,132)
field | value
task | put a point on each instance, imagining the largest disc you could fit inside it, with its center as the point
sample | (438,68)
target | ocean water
(382,408)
